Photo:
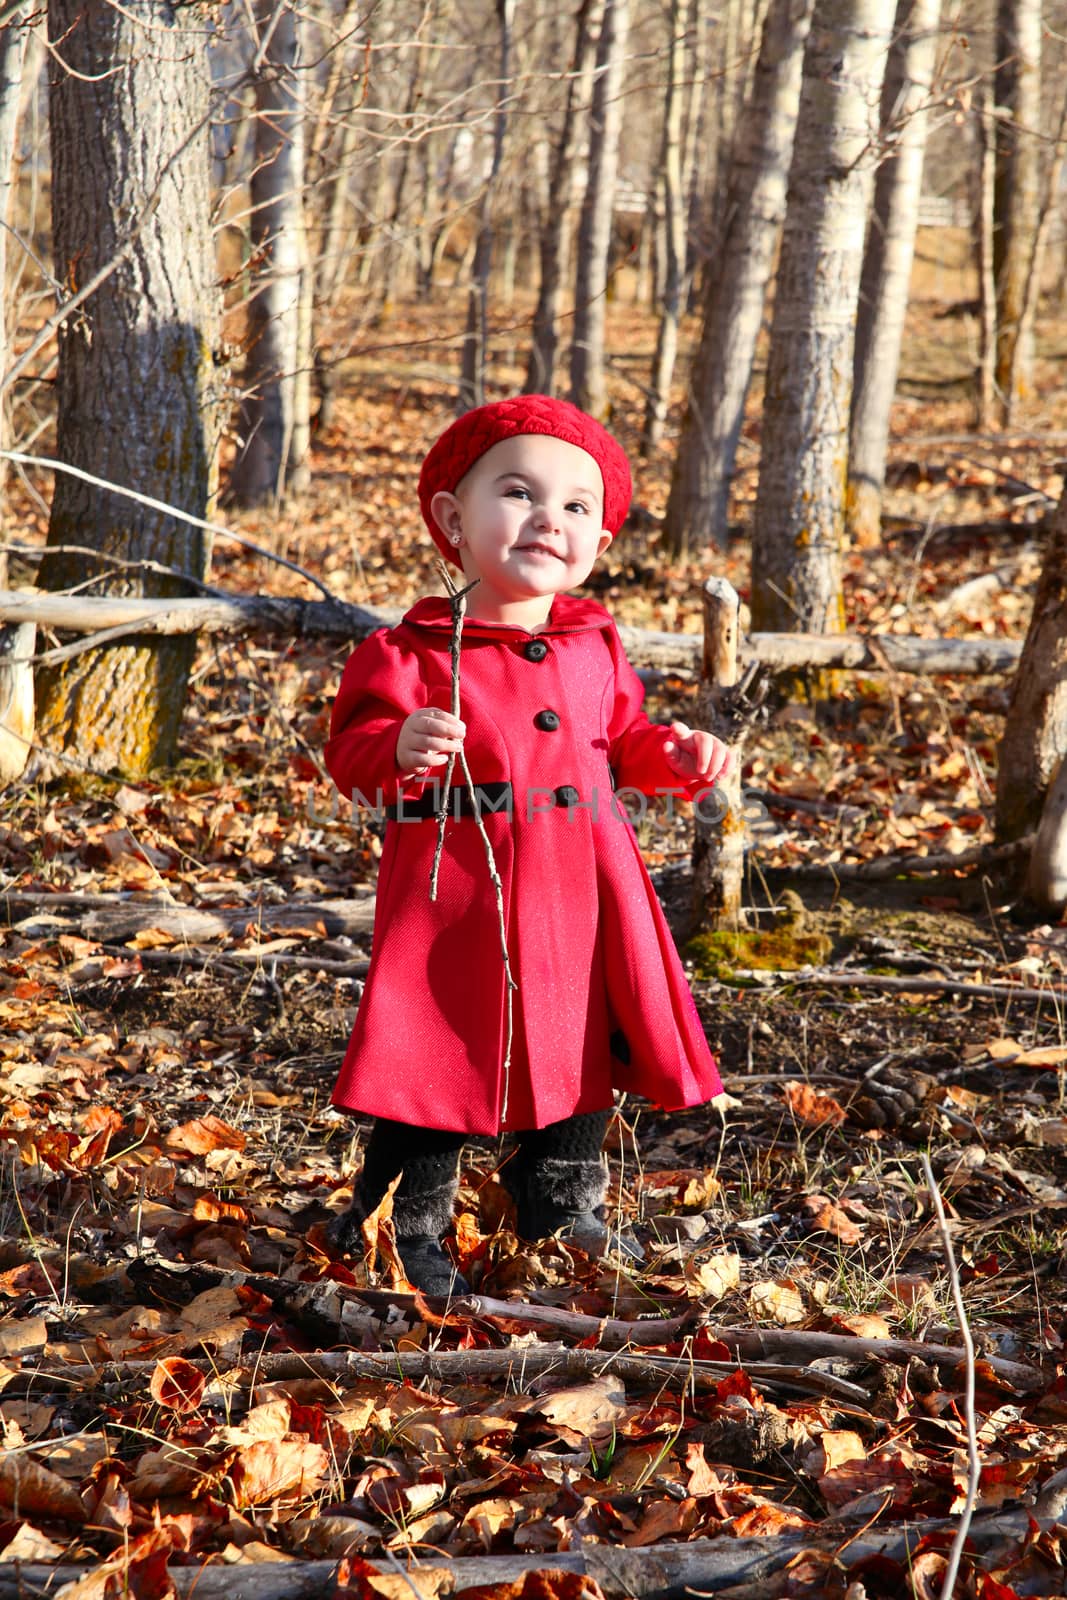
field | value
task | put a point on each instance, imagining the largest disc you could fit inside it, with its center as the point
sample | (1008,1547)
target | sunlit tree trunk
(800,510)
(16,640)
(673,233)
(887,262)
(1018,184)
(1035,734)
(734,299)
(135,390)
(13,39)
(274,421)
(984,222)
(588,387)
(476,340)
(555,231)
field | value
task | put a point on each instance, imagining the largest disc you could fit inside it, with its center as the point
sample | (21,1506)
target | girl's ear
(447,514)
(605,539)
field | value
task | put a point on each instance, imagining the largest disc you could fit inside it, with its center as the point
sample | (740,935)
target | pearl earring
(456,538)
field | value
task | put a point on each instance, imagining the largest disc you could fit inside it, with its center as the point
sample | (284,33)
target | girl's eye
(578,505)
(517,491)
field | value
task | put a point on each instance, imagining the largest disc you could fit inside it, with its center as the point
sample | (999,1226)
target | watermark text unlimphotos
(659,809)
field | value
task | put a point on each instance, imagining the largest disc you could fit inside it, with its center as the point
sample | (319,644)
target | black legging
(429,1160)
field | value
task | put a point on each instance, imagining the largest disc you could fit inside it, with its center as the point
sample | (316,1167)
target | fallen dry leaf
(33,1491)
(177,1385)
(204,1134)
(777,1301)
(592,1410)
(812,1106)
(277,1469)
(717,1275)
(821,1215)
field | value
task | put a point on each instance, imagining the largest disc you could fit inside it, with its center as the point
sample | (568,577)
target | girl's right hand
(427,739)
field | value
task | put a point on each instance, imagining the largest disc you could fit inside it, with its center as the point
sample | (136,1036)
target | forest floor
(186,1377)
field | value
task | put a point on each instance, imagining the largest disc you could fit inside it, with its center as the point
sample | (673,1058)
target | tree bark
(13,39)
(1018,99)
(673,234)
(475,343)
(588,386)
(883,298)
(274,421)
(719,840)
(555,232)
(135,388)
(1035,734)
(697,508)
(985,217)
(798,534)
(664,1571)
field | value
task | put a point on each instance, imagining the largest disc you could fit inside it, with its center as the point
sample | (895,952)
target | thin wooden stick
(457,599)
(974,1465)
(458,602)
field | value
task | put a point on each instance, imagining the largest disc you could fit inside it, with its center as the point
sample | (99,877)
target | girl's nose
(545,516)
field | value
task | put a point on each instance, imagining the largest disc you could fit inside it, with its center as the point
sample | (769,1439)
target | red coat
(587,939)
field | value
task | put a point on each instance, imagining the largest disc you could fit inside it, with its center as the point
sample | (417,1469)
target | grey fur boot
(419,1220)
(556,1196)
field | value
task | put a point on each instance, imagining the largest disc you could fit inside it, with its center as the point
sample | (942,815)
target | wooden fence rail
(336,619)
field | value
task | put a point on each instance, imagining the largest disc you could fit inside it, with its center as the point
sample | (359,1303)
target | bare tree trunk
(1032,287)
(798,533)
(887,262)
(733,307)
(1035,733)
(555,232)
(13,38)
(274,419)
(673,235)
(1018,99)
(985,216)
(135,390)
(588,387)
(476,341)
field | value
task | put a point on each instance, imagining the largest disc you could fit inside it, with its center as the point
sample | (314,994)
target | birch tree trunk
(588,387)
(697,508)
(555,233)
(673,234)
(883,299)
(1035,734)
(1018,182)
(274,422)
(475,343)
(798,533)
(985,218)
(135,389)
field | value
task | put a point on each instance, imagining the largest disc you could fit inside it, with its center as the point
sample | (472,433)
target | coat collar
(569,614)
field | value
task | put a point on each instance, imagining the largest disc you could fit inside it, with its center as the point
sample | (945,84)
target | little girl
(523,495)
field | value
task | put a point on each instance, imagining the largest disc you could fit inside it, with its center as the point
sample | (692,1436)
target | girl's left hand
(691,753)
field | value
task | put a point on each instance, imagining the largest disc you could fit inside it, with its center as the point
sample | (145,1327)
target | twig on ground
(895,866)
(975,991)
(244,958)
(974,1466)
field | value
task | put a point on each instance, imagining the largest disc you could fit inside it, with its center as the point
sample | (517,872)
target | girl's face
(527,522)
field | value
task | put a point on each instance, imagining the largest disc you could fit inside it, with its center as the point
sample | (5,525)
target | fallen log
(649,1572)
(114,917)
(337,619)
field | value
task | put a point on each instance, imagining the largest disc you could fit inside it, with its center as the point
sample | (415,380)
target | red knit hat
(475,432)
